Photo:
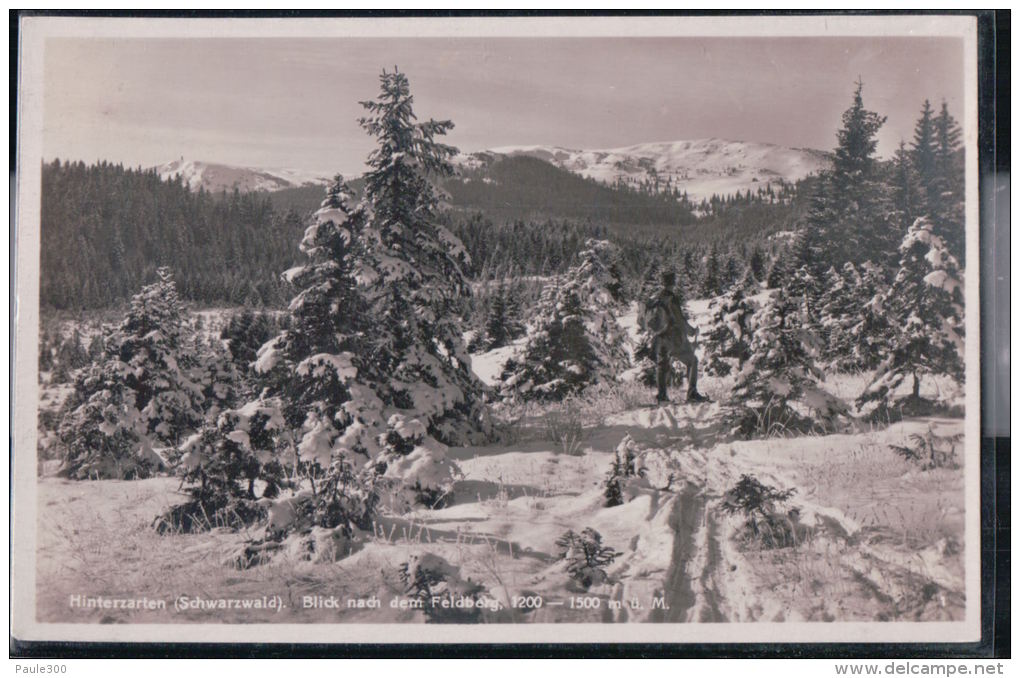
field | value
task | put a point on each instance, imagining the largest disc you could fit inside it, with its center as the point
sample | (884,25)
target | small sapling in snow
(930,450)
(758,503)
(445,597)
(587,558)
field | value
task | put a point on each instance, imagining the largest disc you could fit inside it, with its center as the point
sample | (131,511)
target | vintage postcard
(564,330)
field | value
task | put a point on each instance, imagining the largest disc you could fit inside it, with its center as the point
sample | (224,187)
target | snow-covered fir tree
(728,337)
(780,269)
(624,466)
(72,354)
(140,395)
(948,213)
(731,274)
(711,282)
(244,334)
(936,158)
(575,340)
(779,388)
(688,277)
(371,377)
(922,152)
(853,326)
(937,161)
(96,347)
(839,304)
(413,277)
(502,321)
(906,188)
(851,212)
(807,273)
(756,263)
(221,464)
(798,273)
(63,356)
(867,339)
(924,305)
(217,375)
(169,397)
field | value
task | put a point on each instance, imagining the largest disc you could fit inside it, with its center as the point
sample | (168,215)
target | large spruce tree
(851,210)
(908,197)
(947,214)
(923,151)
(371,377)
(938,162)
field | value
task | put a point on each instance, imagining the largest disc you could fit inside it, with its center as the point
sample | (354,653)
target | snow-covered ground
(876,537)
(882,539)
(879,538)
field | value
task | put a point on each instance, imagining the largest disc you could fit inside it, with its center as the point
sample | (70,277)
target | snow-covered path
(902,561)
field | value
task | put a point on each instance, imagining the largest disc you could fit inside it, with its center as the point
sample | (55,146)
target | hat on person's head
(668,277)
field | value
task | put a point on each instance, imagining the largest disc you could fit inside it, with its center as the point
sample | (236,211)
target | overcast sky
(294,103)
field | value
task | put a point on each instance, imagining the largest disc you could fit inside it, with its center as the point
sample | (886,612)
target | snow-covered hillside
(215,177)
(701,167)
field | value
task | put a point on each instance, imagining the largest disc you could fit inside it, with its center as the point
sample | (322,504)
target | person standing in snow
(671,339)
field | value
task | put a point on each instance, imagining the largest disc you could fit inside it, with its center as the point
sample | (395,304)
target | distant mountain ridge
(701,167)
(216,177)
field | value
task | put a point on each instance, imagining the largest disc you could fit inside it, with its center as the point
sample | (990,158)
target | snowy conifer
(244,334)
(623,467)
(924,306)
(217,375)
(866,341)
(937,160)
(947,214)
(838,308)
(907,194)
(756,263)
(687,276)
(731,273)
(779,386)
(729,333)
(923,150)
(71,354)
(371,372)
(312,411)
(850,211)
(222,462)
(853,326)
(502,321)
(711,282)
(413,274)
(576,339)
(140,394)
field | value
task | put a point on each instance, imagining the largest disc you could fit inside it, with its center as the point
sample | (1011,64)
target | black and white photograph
(536,329)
